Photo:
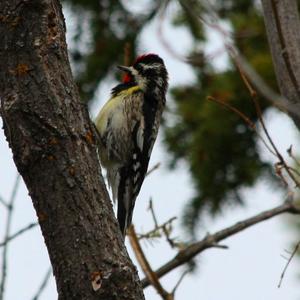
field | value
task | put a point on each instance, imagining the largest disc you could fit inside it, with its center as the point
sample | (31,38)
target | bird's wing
(132,175)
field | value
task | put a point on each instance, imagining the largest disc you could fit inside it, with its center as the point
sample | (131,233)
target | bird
(128,126)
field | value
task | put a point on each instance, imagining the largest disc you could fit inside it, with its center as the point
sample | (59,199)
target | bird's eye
(138,67)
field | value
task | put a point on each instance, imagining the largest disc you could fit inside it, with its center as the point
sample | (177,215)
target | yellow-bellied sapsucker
(128,126)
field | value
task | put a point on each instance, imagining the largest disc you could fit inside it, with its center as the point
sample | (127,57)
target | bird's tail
(126,199)
(123,218)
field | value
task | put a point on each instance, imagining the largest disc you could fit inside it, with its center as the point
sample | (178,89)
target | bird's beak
(124,69)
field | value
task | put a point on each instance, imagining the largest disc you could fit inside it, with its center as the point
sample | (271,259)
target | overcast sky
(249,269)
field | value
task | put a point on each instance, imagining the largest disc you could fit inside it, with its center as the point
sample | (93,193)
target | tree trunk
(54,149)
(283,31)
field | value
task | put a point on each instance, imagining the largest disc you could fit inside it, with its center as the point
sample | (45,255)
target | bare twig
(265,90)
(180,280)
(3,202)
(249,123)
(167,230)
(278,171)
(287,264)
(127,54)
(291,154)
(247,74)
(235,110)
(294,171)
(43,284)
(18,233)
(153,213)
(280,157)
(154,232)
(210,241)
(161,36)
(140,256)
(6,235)
(166,227)
(262,122)
(155,167)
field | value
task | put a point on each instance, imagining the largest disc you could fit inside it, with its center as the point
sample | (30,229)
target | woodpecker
(128,125)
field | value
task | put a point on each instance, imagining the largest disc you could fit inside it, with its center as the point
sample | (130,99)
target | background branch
(18,233)
(43,284)
(211,240)
(2,201)
(145,265)
(10,209)
(288,263)
(282,25)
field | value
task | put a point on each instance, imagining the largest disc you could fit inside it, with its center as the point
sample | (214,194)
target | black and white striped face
(149,72)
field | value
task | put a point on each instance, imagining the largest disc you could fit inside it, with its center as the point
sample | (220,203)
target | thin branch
(235,110)
(280,157)
(153,233)
(265,90)
(43,284)
(163,227)
(6,235)
(155,167)
(278,171)
(180,280)
(210,241)
(3,202)
(143,262)
(291,154)
(287,264)
(153,213)
(161,36)
(262,122)
(127,54)
(294,170)
(167,232)
(247,74)
(249,123)
(18,233)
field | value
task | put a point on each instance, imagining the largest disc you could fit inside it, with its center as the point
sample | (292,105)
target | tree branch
(18,233)
(211,240)
(54,148)
(264,89)
(288,263)
(282,25)
(43,284)
(145,265)
(3,202)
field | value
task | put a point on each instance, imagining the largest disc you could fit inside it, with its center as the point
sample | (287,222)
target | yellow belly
(113,115)
(113,108)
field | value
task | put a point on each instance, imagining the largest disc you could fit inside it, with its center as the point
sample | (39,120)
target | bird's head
(149,72)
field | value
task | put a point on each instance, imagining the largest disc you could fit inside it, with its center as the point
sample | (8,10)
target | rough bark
(282,25)
(53,145)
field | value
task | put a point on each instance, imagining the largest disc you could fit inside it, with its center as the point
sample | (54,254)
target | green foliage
(220,149)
